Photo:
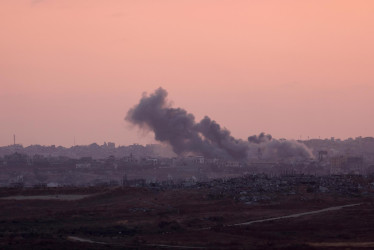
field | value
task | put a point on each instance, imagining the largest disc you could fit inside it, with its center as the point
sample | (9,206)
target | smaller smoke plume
(278,149)
(260,138)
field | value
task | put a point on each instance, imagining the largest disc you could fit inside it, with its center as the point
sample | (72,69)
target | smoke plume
(260,138)
(179,129)
(270,148)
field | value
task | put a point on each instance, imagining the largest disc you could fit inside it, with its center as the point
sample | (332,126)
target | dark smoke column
(178,128)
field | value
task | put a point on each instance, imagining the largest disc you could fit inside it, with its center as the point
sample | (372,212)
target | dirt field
(63,197)
(139,218)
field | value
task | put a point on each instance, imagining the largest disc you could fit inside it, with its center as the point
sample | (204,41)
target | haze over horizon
(290,69)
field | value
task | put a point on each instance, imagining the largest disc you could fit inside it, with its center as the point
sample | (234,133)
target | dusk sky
(289,68)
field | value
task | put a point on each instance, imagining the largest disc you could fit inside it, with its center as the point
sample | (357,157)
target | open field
(64,197)
(145,218)
(151,218)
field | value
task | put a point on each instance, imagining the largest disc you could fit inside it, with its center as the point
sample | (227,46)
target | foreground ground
(146,218)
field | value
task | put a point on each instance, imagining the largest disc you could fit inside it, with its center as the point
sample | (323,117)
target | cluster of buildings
(144,165)
(255,188)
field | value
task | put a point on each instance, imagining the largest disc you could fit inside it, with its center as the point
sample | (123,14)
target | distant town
(156,164)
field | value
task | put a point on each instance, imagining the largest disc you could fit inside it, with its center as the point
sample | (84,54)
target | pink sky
(289,68)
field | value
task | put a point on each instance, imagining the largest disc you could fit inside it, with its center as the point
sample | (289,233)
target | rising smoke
(270,148)
(186,136)
(261,138)
(286,149)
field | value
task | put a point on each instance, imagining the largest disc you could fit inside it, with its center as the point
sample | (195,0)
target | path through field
(296,215)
